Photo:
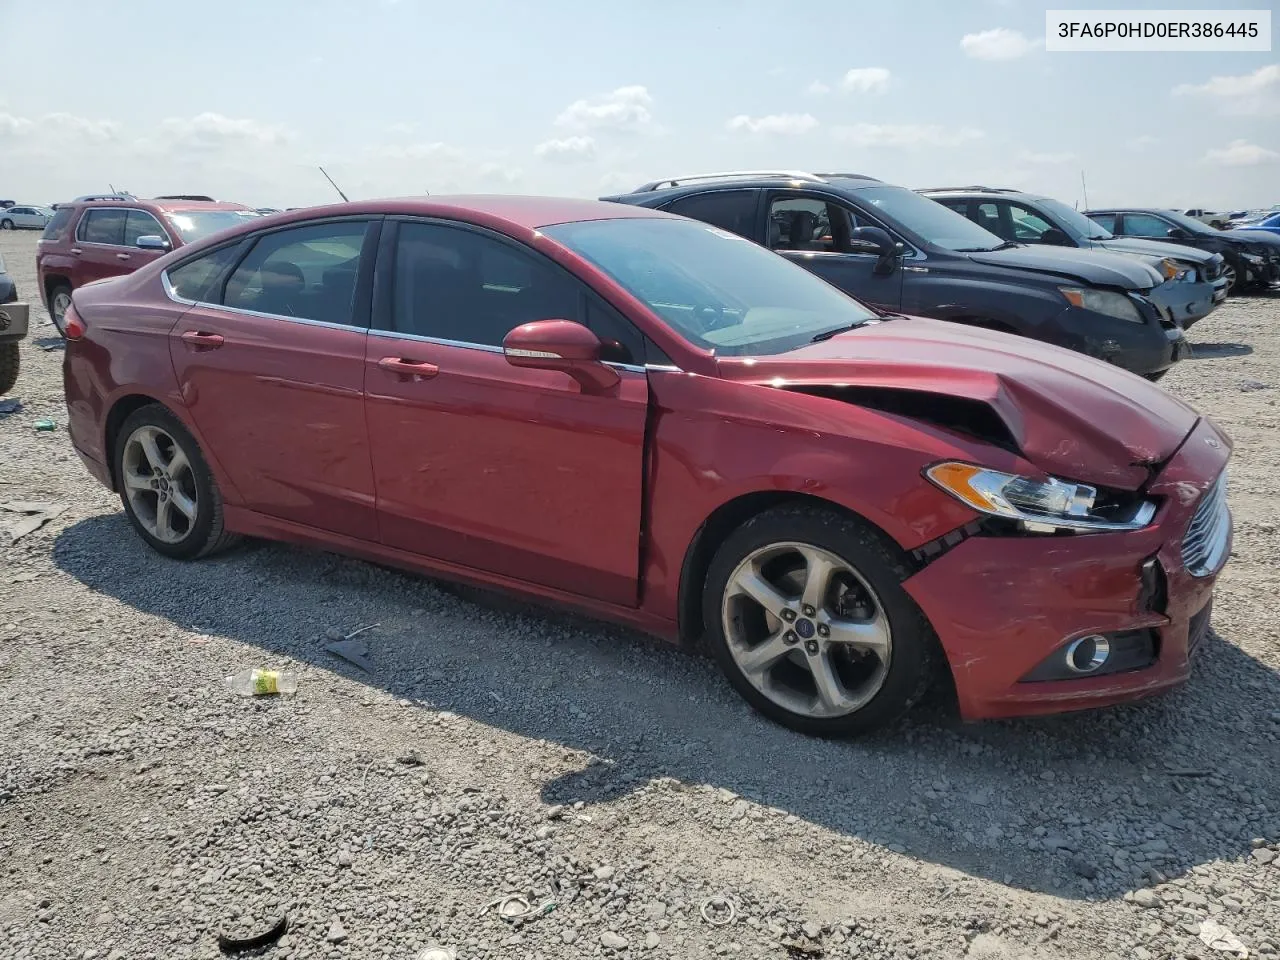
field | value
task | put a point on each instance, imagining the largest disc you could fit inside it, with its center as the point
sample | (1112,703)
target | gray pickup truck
(13,327)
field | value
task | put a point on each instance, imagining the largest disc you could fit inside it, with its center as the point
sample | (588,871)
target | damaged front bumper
(1005,606)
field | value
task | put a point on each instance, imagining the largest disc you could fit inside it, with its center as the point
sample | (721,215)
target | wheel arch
(51,282)
(116,416)
(716,528)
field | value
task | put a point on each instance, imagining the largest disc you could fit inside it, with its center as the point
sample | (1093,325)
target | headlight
(1040,505)
(1178,271)
(1251,257)
(1103,301)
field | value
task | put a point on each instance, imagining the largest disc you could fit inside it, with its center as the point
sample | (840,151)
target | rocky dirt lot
(618,786)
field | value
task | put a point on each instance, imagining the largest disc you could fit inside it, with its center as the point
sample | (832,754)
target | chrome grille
(1204,546)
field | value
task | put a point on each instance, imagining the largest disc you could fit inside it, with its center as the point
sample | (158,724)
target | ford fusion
(658,422)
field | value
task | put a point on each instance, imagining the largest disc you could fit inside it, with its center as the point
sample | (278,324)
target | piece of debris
(45,425)
(410,758)
(337,932)
(802,946)
(257,683)
(12,405)
(240,944)
(1248,386)
(1217,937)
(355,652)
(435,952)
(27,516)
(719,911)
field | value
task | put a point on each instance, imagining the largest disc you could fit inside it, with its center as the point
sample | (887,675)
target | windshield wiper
(828,334)
(1004,246)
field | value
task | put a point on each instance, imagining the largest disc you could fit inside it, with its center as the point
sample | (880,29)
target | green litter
(45,425)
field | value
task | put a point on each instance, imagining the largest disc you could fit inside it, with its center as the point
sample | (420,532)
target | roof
(527,212)
(167,206)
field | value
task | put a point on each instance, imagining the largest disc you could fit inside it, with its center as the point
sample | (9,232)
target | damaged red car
(657,422)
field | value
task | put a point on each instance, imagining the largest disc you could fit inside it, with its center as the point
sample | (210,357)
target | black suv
(1253,256)
(901,252)
(1028,218)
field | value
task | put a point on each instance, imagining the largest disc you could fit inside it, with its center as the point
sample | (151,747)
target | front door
(270,364)
(478,463)
(816,233)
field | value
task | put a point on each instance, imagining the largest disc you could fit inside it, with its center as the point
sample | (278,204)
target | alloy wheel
(1230,273)
(159,484)
(807,630)
(58,310)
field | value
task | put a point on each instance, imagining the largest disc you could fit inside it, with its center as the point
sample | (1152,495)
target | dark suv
(1253,258)
(901,252)
(1028,218)
(106,235)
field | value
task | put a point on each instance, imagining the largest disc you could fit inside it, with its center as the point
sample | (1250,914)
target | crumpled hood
(1096,267)
(1072,416)
(1156,248)
(1263,238)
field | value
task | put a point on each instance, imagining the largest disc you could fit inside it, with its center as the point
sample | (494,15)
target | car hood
(1070,415)
(1261,237)
(1096,267)
(1156,248)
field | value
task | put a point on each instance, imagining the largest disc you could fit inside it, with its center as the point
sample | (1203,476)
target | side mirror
(1176,233)
(151,242)
(881,242)
(561,345)
(1055,237)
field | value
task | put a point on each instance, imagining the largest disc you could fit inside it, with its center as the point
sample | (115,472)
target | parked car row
(659,421)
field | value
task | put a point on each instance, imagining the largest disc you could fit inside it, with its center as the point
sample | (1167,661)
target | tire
(1233,279)
(6,224)
(199,534)
(892,683)
(9,363)
(1157,376)
(59,299)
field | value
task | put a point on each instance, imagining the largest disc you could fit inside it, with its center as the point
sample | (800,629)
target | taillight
(73,327)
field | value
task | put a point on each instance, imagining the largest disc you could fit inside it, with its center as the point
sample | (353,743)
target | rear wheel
(6,224)
(167,489)
(806,614)
(59,301)
(9,362)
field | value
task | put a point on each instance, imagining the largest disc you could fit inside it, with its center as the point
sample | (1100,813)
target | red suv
(106,235)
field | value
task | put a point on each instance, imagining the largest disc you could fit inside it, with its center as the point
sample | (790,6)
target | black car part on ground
(902,253)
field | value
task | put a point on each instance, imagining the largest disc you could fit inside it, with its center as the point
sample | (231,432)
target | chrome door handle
(75,250)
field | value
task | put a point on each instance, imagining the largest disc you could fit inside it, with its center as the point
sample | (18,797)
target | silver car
(25,218)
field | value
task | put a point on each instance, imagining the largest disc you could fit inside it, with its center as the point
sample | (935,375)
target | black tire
(58,289)
(6,224)
(915,650)
(206,534)
(9,363)
(1158,375)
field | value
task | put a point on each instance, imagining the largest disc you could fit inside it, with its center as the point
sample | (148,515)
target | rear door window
(305,272)
(103,226)
(732,210)
(198,279)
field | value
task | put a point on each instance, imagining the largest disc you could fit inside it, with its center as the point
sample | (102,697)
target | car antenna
(335,186)
(1084,189)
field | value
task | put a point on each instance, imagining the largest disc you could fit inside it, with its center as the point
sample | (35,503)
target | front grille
(1204,546)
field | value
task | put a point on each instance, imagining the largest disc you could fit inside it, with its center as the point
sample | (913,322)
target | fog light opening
(1088,654)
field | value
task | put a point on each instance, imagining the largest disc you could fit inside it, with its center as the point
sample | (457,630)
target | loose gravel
(508,782)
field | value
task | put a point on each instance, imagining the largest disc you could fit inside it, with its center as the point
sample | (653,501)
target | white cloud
(905,135)
(817,89)
(1254,94)
(774,123)
(215,130)
(570,149)
(1028,156)
(627,108)
(1241,153)
(998,44)
(865,80)
(58,124)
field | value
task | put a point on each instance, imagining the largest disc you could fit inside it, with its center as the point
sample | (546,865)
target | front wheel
(59,302)
(6,224)
(807,616)
(9,363)
(167,489)
(1233,280)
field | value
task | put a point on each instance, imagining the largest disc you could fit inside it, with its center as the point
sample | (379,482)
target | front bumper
(14,318)
(1185,303)
(1002,605)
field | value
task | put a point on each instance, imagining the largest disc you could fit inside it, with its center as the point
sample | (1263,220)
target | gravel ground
(614,783)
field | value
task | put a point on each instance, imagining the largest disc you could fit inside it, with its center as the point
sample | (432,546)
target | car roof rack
(847,176)
(973,188)
(729,175)
(88,197)
(185,196)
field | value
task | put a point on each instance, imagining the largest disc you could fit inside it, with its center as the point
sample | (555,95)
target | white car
(1218,220)
(29,218)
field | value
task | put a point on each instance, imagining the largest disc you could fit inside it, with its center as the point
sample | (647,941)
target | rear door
(99,249)
(511,471)
(815,232)
(270,362)
(737,211)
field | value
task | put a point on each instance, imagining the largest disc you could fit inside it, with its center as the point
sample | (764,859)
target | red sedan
(658,422)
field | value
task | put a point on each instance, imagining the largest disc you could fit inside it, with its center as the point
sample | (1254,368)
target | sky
(244,99)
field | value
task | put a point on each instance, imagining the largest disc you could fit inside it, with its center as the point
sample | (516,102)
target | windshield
(1187,223)
(929,220)
(1076,222)
(196,224)
(716,289)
